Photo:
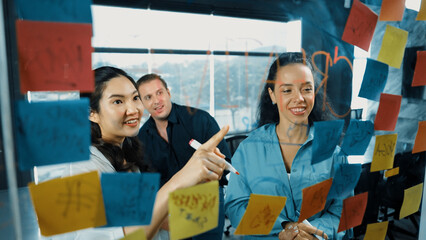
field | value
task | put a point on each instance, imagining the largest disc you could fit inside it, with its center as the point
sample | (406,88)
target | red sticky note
(392,10)
(420,142)
(388,111)
(314,198)
(54,56)
(353,211)
(419,78)
(360,26)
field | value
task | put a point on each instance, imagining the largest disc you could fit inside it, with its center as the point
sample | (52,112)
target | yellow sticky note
(376,231)
(261,213)
(136,235)
(68,204)
(412,199)
(393,46)
(421,16)
(193,210)
(392,172)
(384,151)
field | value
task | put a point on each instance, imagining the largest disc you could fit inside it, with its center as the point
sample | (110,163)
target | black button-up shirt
(184,124)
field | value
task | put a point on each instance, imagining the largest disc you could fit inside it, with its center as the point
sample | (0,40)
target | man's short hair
(149,77)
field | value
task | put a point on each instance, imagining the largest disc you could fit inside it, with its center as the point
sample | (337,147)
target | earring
(273,103)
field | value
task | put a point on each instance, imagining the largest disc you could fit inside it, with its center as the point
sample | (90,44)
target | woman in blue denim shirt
(276,158)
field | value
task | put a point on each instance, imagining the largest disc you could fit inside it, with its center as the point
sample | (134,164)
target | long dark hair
(132,149)
(268,112)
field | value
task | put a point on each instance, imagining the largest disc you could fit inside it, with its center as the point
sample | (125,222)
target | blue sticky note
(52,132)
(357,137)
(374,81)
(326,137)
(345,179)
(72,11)
(129,197)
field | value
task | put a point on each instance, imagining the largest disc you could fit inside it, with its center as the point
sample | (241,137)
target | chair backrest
(234,141)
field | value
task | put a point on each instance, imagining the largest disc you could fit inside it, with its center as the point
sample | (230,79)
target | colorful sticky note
(392,172)
(393,45)
(193,210)
(68,204)
(54,56)
(261,213)
(353,211)
(357,137)
(136,235)
(52,132)
(419,78)
(421,15)
(387,114)
(374,81)
(74,11)
(327,135)
(412,199)
(314,198)
(420,142)
(129,197)
(376,231)
(360,25)
(384,151)
(392,10)
(345,178)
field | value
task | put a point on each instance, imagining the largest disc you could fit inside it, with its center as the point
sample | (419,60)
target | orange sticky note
(420,142)
(387,114)
(421,15)
(136,235)
(193,210)
(353,211)
(68,204)
(384,151)
(54,56)
(412,199)
(392,172)
(393,46)
(359,28)
(392,10)
(419,78)
(261,213)
(376,231)
(314,198)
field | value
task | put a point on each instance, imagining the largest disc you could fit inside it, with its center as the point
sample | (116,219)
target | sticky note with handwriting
(419,78)
(353,211)
(392,10)
(384,151)
(412,200)
(261,213)
(374,81)
(357,137)
(345,178)
(73,11)
(314,199)
(420,141)
(193,210)
(129,197)
(54,56)
(387,114)
(68,204)
(326,137)
(393,46)
(360,25)
(52,132)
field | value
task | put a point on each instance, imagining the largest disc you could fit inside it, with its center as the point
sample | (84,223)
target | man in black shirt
(167,133)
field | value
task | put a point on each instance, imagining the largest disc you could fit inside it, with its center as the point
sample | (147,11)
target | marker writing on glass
(195,145)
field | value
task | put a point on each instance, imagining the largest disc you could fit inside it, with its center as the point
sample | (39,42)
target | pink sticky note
(419,78)
(353,211)
(392,10)
(420,142)
(360,26)
(388,111)
(314,199)
(54,56)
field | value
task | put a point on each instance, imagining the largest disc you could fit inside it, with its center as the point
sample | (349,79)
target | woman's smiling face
(294,93)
